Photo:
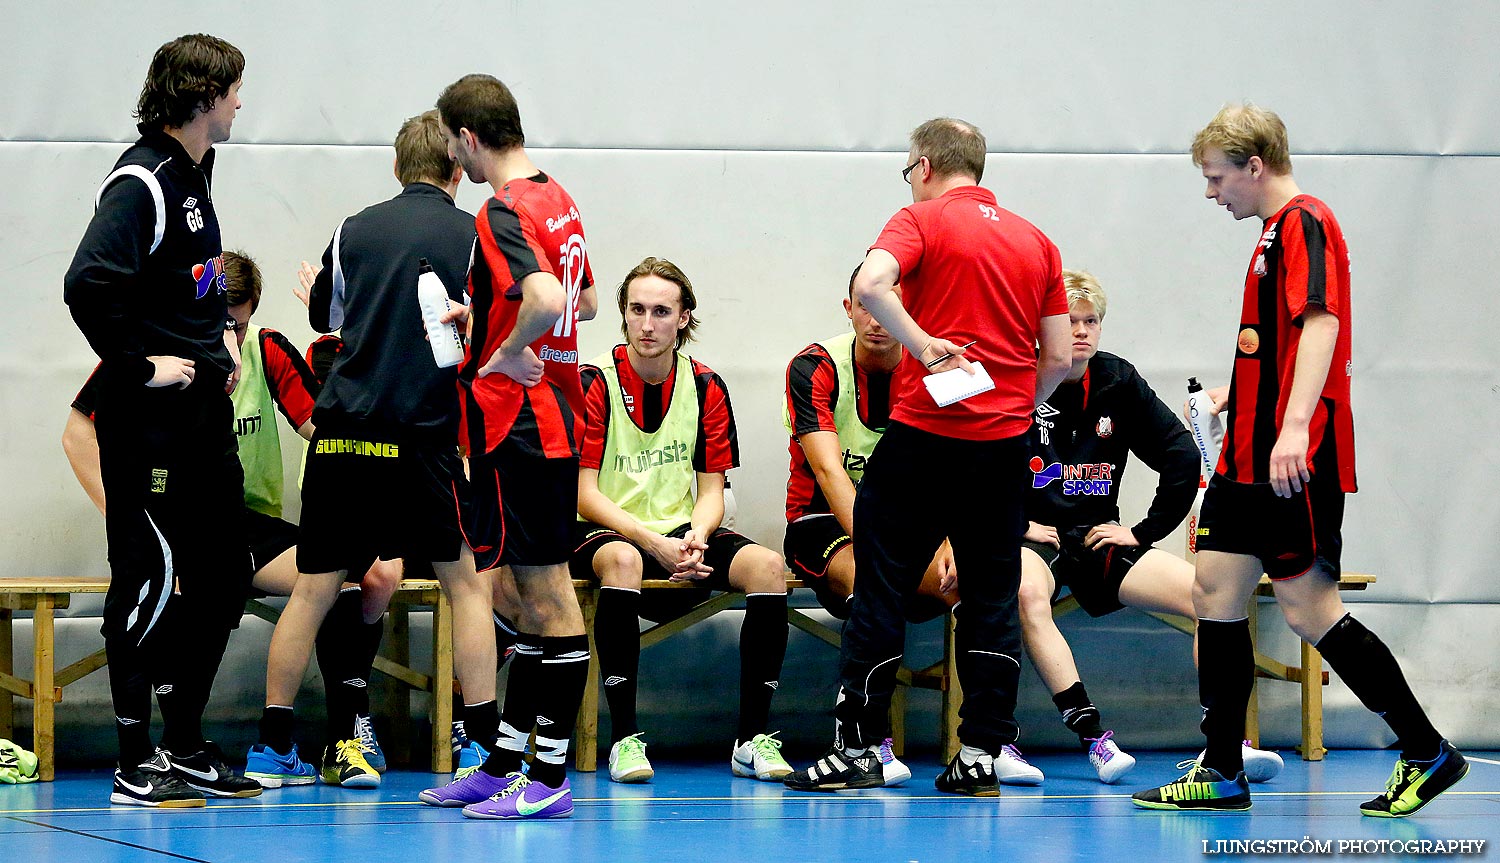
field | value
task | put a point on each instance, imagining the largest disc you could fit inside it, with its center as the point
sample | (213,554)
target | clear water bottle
(447,345)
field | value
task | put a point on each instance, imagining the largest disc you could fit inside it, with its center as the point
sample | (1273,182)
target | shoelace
(365,730)
(465,772)
(1193,767)
(1405,772)
(766,745)
(460,739)
(633,745)
(349,750)
(1101,748)
(1014,753)
(517,782)
(887,752)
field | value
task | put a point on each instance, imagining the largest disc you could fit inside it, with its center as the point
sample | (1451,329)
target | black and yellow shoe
(344,764)
(1201,789)
(1414,784)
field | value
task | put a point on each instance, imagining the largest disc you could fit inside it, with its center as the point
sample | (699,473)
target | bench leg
(394,695)
(442,684)
(43,711)
(7,666)
(953,693)
(586,732)
(898,719)
(1312,704)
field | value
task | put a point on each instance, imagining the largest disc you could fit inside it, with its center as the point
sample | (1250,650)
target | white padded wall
(758,146)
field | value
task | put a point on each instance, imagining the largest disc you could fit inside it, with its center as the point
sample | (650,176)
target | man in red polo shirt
(979,285)
(1276,501)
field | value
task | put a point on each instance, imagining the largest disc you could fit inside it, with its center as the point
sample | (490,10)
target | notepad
(955,385)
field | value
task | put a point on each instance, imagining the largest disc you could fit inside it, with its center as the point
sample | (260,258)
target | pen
(950,356)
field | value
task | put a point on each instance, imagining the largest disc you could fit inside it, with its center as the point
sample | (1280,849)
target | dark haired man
(383,475)
(520,396)
(146,287)
(971,274)
(658,424)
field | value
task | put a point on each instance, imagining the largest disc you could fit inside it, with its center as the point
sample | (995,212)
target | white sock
(971,755)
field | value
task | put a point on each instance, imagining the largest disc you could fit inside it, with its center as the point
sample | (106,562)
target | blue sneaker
(474,786)
(525,798)
(273,770)
(365,731)
(467,754)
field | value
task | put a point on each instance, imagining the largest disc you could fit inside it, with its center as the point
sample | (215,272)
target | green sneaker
(627,760)
(1414,784)
(1201,789)
(17,765)
(344,764)
(760,757)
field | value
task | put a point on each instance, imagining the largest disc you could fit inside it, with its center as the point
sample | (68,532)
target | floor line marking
(111,841)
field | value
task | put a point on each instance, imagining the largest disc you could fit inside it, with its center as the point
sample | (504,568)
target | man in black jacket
(146,287)
(1084,433)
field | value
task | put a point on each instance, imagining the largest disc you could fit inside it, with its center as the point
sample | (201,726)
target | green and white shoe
(760,757)
(627,760)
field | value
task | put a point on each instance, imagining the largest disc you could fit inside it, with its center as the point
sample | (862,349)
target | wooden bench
(43,596)
(938,676)
(1309,674)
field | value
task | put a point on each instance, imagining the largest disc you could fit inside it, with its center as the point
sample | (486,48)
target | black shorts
(1290,535)
(524,507)
(1093,577)
(269,537)
(364,498)
(810,546)
(723,546)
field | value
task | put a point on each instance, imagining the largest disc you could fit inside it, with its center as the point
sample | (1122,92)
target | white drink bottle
(447,345)
(1207,428)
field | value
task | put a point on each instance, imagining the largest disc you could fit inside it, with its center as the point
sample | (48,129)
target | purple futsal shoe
(525,798)
(472,787)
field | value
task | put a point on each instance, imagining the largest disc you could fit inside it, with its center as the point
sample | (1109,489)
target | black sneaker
(153,784)
(1414,784)
(206,771)
(976,779)
(836,771)
(1201,789)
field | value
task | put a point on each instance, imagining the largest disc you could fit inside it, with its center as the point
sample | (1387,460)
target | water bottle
(447,345)
(1207,428)
(1192,520)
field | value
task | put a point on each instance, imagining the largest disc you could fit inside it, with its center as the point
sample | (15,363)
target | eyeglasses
(906,173)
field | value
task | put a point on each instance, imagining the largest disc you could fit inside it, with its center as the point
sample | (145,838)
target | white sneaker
(891,769)
(1261,765)
(1012,769)
(760,757)
(627,760)
(1111,762)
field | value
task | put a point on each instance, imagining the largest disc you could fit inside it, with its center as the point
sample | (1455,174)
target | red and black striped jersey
(530,226)
(812,388)
(1301,261)
(717,449)
(290,382)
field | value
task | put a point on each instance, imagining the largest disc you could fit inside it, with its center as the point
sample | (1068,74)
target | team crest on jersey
(1105,427)
(210,274)
(1249,341)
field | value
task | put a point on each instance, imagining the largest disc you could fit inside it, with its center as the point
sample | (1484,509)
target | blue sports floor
(697,811)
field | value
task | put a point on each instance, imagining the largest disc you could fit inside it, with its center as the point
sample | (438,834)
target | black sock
(617,637)
(130,690)
(1226,674)
(508,745)
(1375,678)
(481,723)
(505,639)
(565,667)
(276,728)
(341,646)
(1079,713)
(762,650)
